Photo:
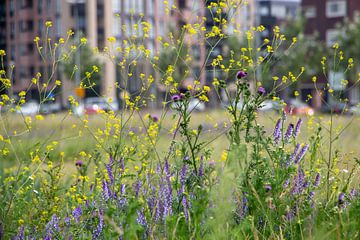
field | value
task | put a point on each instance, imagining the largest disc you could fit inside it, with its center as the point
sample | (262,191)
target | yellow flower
(2,52)
(48,24)
(39,117)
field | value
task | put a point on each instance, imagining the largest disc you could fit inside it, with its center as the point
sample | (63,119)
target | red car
(297,107)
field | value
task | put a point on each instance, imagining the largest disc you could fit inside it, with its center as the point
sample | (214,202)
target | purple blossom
(277,132)
(317,180)
(267,188)
(297,128)
(79,163)
(241,74)
(110,174)
(286,183)
(155,118)
(20,235)
(106,190)
(299,183)
(289,132)
(176,98)
(137,188)
(284,116)
(185,207)
(53,225)
(141,219)
(182,179)
(99,227)
(293,155)
(67,221)
(201,167)
(353,193)
(301,153)
(76,213)
(261,90)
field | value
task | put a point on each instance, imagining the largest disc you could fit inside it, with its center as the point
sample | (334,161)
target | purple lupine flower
(241,74)
(99,227)
(76,213)
(244,208)
(261,90)
(201,167)
(293,155)
(141,219)
(122,189)
(67,221)
(106,192)
(297,128)
(53,225)
(289,132)
(267,188)
(110,174)
(353,193)
(185,207)
(137,188)
(301,154)
(317,180)
(342,200)
(277,132)
(182,180)
(79,163)
(92,187)
(298,183)
(20,235)
(311,198)
(286,183)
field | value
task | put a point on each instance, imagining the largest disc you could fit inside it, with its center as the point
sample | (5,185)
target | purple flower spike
(292,156)
(99,227)
(76,213)
(289,132)
(110,174)
(341,199)
(297,128)
(317,180)
(241,74)
(301,153)
(106,190)
(261,90)
(277,132)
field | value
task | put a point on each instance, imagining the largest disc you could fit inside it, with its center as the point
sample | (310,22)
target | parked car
(31,107)
(297,107)
(269,105)
(93,105)
(50,107)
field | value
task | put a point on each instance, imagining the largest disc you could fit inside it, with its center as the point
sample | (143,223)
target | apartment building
(98,20)
(323,18)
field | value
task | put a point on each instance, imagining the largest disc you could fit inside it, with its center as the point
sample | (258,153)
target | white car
(29,108)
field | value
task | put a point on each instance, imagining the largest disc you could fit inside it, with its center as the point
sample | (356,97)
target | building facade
(324,19)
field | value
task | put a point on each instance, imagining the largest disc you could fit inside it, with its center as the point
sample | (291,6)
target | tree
(87,62)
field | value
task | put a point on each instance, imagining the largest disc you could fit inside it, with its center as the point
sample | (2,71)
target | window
(278,11)
(310,12)
(336,8)
(335,79)
(331,37)
(182,4)
(116,6)
(12,7)
(40,27)
(12,30)
(264,11)
(40,6)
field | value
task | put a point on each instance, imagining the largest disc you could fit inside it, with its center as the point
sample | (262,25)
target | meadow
(173,173)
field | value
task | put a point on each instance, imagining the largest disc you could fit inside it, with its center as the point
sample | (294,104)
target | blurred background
(317,25)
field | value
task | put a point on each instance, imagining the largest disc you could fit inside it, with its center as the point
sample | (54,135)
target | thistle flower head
(241,74)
